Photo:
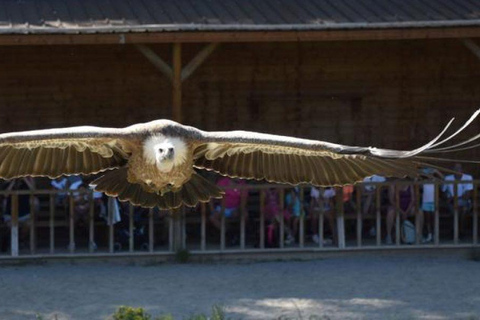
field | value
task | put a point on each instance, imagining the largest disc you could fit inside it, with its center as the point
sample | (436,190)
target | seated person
(233,198)
(406,207)
(369,193)
(60,183)
(464,192)
(428,202)
(322,199)
(24,209)
(369,198)
(273,216)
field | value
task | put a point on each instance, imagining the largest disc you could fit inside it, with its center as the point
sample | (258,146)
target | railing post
(131,229)
(378,218)
(437,217)
(397,216)
(340,219)
(170,232)
(33,238)
(52,222)
(282,218)
(184,228)
(222,225)
(71,246)
(262,219)
(203,227)
(150,230)
(242,221)
(475,215)
(359,215)
(455,213)
(301,221)
(111,248)
(418,217)
(321,220)
(91,222)
(14,226)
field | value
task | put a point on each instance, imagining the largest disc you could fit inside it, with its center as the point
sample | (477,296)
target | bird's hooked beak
(165,153)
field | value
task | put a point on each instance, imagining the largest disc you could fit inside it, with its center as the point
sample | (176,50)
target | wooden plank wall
(385,93)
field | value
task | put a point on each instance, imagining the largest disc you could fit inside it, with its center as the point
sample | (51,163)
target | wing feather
(290,160)
(53,152)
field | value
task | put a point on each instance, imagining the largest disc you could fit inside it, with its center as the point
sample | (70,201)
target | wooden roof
(111,16)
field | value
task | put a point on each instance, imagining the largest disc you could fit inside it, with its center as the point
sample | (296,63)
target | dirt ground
(412,287)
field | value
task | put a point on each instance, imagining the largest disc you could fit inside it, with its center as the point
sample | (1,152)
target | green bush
(129,313)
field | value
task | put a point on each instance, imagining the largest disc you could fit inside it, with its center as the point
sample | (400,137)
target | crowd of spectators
(413,203)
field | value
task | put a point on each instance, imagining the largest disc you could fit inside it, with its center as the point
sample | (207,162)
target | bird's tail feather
(197,189)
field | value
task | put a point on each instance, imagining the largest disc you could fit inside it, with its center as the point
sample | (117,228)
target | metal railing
(57,227)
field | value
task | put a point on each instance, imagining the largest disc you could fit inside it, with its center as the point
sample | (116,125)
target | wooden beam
(155,60)
(241,36)
(472,46)
(177,83)
(198,60)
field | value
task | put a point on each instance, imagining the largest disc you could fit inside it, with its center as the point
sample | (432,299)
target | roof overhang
(132,36)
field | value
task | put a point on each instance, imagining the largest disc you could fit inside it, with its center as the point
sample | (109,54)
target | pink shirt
(233,196)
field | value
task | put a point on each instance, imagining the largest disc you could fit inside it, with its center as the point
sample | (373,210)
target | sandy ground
(412,287)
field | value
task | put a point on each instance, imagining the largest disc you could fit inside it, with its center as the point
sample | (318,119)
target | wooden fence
(53,229)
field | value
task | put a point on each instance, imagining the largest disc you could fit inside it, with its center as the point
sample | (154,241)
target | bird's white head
(165,152)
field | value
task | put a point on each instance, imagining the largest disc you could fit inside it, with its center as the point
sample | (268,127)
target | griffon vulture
(155,163)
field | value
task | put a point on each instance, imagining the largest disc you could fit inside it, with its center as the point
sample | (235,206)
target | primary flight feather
(155,163)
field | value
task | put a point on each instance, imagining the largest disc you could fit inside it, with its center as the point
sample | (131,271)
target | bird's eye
(160,150)
(170,150)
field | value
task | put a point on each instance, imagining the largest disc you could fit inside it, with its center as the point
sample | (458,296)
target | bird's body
(156,163)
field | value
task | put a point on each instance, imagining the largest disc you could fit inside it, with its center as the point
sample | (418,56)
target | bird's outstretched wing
(283,159)
(54,152)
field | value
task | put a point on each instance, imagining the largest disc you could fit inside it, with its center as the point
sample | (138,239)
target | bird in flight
(156,163)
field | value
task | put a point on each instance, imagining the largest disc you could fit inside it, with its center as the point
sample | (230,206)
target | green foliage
(182,256)
(129,313)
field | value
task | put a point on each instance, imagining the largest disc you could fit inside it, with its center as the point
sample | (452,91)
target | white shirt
(374,178)
(327,193)
(462,187)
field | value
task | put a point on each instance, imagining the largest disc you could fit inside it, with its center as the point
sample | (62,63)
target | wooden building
(385,73)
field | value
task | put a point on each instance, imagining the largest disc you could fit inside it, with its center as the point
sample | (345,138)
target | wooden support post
(14,229)
(52,223)
(340,219)
(184,228)
(203,227)
(91,223)
(378,217)
(198,60)
(397,216)
(472,46)
(176,231)
(242,222)
(359,215)
(150,230)
(475,215)
(155,59)
(131,228)
(177,83)
(282,218)
(437,216)
(222,225)
(71,246)
(171,246)
(111,242)
(455,213)
(321,214)
(262,219)
(33,238)
(418,217)
(301,221)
